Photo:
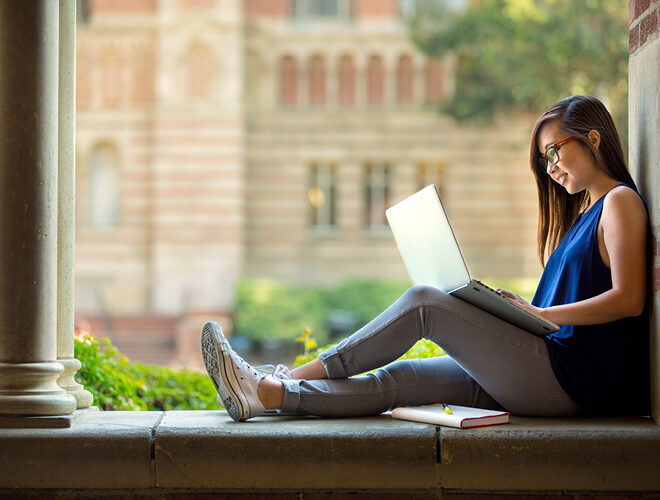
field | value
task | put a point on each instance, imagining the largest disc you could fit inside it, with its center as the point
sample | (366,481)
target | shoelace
(280,371)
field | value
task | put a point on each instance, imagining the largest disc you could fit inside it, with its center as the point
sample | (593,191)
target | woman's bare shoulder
(624,202)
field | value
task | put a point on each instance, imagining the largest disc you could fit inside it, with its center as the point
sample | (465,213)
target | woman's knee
(425,370)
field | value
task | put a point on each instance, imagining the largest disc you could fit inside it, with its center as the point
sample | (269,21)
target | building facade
(221,139)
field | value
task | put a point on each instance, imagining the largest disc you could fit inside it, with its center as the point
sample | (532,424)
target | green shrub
(163,388)
(366,298)
(106,375)
(269,309)
(118,384)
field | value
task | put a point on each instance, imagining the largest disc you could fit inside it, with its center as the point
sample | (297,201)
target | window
(430,172)
(346,83)
(407,8)
(410,8)
(322,196)
(375,81)
(404,81)
(377,195)
(321,10)
(82,12)
(288,81)
(104,186)
(316,77)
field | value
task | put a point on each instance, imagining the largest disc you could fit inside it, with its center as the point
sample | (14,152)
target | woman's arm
(622,242)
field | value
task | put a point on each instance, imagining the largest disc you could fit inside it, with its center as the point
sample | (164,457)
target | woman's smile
(561,178)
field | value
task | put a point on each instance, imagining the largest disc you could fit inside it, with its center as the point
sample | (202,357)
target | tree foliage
(523,55)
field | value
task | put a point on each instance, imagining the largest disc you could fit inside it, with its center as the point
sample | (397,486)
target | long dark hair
(558,210)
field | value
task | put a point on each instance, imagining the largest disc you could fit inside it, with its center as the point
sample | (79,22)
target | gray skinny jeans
(489,364)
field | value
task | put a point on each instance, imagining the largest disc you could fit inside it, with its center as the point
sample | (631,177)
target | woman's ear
(594,138)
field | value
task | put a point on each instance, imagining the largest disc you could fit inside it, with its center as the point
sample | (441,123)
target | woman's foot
(234,379)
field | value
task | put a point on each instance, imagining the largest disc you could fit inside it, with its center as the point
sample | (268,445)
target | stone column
(66,206)
(644,149)
(28,211)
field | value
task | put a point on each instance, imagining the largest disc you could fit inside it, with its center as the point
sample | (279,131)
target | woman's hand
(520,301)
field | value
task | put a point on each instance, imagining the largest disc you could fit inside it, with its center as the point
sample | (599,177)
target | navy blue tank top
(605,367)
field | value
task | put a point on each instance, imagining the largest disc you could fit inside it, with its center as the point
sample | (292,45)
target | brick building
(218,139)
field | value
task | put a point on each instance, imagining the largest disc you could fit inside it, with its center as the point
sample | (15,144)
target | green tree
(523,55)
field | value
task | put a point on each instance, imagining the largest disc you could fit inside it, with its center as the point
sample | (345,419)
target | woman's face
(576,168)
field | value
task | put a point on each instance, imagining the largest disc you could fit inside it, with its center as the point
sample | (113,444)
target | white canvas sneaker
(234,379)
(279,372)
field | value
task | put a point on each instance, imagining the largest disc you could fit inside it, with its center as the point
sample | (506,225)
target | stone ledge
(209,450)
(104,450)
(553,455)
(204,451)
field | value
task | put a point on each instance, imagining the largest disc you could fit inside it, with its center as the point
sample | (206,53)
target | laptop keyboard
(489,288)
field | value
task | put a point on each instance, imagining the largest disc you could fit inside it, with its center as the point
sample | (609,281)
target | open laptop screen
(426,241)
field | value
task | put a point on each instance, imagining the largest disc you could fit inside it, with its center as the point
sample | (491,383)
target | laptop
(431,255)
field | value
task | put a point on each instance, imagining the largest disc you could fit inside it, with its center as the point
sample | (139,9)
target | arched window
(104,186)
(288,81)
(346,83)
(375,81)
(434,81)
(404,81)
(200,72)
(111,68)
(316,78)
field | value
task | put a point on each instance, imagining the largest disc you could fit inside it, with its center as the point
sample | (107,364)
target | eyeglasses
(551,156)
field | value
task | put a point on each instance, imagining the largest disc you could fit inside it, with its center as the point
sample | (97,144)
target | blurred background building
(222,139)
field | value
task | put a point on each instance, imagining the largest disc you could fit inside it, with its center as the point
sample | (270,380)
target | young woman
(592,222)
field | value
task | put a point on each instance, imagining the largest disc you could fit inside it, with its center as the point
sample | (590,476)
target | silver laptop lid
(426,241)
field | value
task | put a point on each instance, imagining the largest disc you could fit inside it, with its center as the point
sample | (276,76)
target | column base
(84,398)
(31,389)
(43,422)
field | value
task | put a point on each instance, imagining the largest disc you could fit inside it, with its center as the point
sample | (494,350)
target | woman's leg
(312,370)
(410,382)
(511,365)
